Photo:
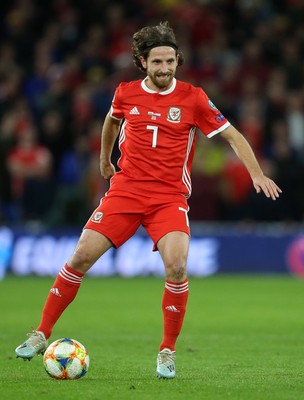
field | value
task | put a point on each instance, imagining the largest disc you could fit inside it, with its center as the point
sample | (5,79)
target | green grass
(242,339)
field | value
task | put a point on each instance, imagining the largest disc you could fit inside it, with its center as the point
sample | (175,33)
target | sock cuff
(177,288)
(70,275)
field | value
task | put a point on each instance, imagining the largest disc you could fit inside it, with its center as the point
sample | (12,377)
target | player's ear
(143,62)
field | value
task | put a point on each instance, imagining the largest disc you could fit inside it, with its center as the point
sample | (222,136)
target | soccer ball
(66,359)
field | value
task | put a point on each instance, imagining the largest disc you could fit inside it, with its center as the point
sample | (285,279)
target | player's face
(161,66)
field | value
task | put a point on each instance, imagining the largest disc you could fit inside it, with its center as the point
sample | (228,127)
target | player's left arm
(245,153)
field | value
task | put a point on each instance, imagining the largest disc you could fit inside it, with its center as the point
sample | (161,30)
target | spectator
(295,123)
(55,135)
(29,165)
(60,62)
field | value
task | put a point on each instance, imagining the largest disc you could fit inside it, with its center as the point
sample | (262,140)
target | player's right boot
(35,344)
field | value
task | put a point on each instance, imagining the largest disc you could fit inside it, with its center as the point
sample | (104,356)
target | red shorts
(120,214)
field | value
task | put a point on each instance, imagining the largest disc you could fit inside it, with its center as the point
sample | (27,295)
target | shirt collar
(170,90)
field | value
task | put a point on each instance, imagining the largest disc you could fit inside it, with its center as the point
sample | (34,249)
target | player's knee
(176,270)
(81,261)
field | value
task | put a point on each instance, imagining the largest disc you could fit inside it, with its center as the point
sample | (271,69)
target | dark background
(60,62)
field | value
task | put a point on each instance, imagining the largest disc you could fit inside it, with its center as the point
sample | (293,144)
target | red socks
(66,287)
(61,295)
(174,307)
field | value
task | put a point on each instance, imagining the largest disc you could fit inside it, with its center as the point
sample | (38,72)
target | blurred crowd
(61,60)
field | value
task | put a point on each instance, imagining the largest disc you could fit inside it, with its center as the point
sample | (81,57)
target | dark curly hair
(153,36)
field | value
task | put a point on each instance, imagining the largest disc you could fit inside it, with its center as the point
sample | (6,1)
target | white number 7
(154,135)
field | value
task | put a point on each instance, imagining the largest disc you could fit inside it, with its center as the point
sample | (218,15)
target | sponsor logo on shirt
(134,111)
(174,115)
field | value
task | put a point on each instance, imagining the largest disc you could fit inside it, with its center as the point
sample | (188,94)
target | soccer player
(156,119)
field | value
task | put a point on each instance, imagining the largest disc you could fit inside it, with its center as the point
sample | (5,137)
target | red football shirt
(157,136)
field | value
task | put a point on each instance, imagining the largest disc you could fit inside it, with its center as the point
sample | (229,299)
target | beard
(161,81)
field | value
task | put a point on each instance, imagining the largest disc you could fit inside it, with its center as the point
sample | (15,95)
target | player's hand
(267,186)
(107,170)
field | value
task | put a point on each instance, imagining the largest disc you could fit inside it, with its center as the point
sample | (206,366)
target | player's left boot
(165,367)
(35,344)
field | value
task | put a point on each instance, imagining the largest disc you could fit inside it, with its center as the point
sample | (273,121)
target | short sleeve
(116,109)
(207,117)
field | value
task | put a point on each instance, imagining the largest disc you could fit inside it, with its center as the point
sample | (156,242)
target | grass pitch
(242,339)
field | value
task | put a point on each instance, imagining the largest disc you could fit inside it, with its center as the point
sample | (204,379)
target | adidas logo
(172,308)
(134,111)
(55,291)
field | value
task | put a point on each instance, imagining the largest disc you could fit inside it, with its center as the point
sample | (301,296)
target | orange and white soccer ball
(66,359)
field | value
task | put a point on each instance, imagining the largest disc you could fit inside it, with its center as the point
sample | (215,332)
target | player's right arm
(109,134)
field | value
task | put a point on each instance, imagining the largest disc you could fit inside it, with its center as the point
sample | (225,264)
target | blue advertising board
(212,250)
